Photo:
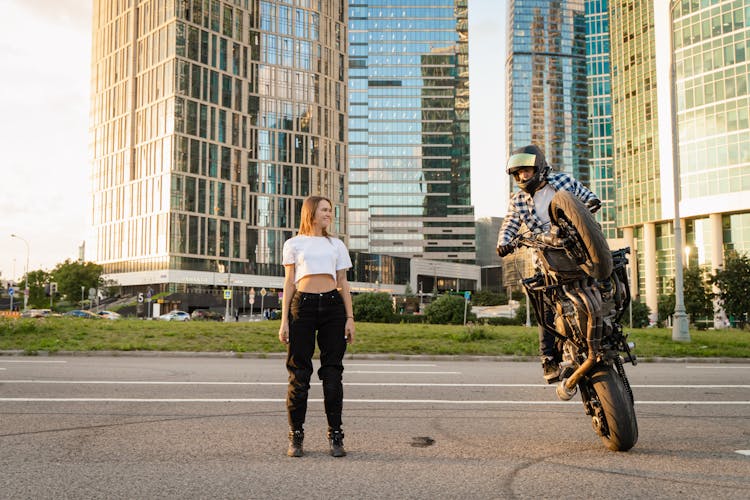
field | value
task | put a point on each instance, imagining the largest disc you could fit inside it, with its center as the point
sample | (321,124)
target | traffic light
(46,290)
(53,288)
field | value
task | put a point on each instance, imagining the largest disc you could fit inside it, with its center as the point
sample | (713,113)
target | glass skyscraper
(711,54)
(211,121)
(409,185)
(546,82)
(602,180)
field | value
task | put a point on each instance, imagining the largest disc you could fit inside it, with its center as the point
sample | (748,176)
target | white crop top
(315,255)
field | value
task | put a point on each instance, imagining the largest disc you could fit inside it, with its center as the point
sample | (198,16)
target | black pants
(547,337)
(323,313)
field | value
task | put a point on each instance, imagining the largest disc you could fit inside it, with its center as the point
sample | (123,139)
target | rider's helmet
(529,156)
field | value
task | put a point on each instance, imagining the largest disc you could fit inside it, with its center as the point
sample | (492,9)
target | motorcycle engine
(566,317)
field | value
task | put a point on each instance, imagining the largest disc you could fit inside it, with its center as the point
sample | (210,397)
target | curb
(348,356)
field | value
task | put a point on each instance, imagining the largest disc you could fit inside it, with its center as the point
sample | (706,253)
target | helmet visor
(520,160)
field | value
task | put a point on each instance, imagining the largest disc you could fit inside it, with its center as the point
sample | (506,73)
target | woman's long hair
(309,207)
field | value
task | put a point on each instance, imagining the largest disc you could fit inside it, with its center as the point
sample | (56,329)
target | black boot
(295,443)
(336,440)
(551,369)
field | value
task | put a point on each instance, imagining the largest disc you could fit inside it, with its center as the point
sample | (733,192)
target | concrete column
(629,236)
(717,262)
(649,265)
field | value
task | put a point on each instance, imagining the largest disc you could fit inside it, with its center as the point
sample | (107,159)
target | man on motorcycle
(530,206)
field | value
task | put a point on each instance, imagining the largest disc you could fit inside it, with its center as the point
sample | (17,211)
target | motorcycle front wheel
(619,428)
(565,210)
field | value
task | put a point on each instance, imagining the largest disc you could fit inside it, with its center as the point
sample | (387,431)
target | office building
(546,82)
(211,121)
(409,183)
(711,47)
(601,181)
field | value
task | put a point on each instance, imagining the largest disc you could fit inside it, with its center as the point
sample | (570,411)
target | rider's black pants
(323,313)
(547,337)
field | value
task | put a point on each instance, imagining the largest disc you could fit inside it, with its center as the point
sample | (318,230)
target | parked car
(80,313)
(175,316)
(109,315)
(206,314)
(36,313)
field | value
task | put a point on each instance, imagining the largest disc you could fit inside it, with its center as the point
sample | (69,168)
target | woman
(316,299)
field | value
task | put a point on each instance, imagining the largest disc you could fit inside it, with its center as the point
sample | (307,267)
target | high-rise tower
(546,82)
(409,183)
(710,53)
(598,79)
(211,121)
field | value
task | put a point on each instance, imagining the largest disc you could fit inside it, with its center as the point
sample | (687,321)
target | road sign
(252,300)
(227,294)
(140,297)
(467,295)
(263,292)
(11,291)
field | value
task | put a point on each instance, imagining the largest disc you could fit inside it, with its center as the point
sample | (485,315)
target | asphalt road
(206,427)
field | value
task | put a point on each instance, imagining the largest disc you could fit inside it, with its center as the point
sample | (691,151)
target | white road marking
(401,373)
(389,364)
(350,401)
(353,384)
(30,361)
(719,367)
(743,452)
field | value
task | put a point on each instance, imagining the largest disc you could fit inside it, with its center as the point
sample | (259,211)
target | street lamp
(680,326)
(26,291)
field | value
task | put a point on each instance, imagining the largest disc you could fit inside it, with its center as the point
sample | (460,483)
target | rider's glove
(594,205)
(503,250)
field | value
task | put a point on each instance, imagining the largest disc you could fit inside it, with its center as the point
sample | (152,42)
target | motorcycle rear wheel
(590,239)
(621,431)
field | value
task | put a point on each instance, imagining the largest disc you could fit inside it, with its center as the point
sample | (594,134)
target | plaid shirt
(521,207)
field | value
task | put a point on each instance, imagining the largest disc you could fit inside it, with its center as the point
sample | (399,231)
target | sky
(45,172)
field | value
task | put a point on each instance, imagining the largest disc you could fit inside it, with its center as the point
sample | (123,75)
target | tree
(448,310)
(733,283)
(37,280)
(373,307)
(698,296)
(641,313)
(71,276)
(665,308)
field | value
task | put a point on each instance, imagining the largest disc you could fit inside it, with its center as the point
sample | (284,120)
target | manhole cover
(422,441)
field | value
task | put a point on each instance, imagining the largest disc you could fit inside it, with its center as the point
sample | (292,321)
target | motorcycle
(581,293)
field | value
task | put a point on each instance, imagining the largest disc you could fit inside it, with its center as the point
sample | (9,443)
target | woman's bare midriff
(316,283)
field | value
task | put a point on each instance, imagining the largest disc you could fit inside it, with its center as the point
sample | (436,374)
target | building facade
(546,82)
(712,61)
(707,124)
(409,182)
(211,121)
(599,83)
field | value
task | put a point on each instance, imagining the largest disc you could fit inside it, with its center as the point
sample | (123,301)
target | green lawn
(74,334)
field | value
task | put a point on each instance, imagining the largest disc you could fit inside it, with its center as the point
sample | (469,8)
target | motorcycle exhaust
(564,393)
(592,302)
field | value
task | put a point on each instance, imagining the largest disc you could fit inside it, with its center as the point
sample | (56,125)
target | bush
(373,307)
(521,313)
(409,318)
(448,310)
(640,315)
(504,321)
(488,298)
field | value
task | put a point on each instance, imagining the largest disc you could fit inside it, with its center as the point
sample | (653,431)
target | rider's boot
(551,369)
